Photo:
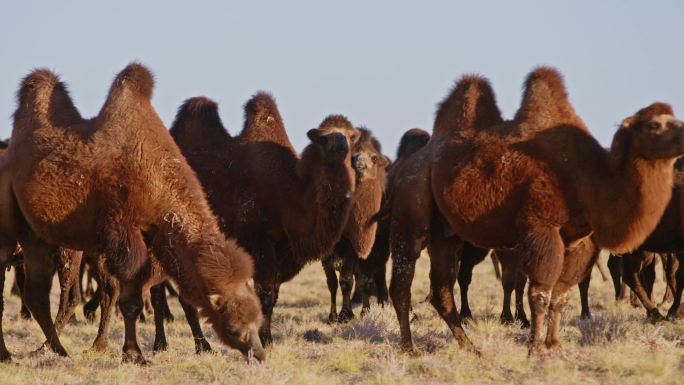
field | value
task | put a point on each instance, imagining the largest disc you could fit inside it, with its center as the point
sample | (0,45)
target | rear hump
(263,122)
(198,124)
(469,107)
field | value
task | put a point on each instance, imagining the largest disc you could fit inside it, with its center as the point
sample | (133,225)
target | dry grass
(617,346)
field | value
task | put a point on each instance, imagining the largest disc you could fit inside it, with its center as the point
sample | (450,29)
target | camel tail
(263,122)
(471,105)
(198,123)
(43,96)
(545,100)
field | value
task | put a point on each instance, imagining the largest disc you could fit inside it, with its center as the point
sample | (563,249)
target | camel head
(652,133)
(334,138)
(367,160)
(233,308)
(236,318)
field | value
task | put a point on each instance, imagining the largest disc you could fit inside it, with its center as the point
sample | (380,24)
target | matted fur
(285,209)
(101,184)
(538,183)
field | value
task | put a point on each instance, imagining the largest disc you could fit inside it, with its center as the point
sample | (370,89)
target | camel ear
(619,149)
(314,135)
(383,161)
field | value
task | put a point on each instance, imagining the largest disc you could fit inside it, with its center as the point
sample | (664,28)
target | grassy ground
(617,346)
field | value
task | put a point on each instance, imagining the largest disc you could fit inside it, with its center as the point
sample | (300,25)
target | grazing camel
(284,209)
(539,183)
(115,184)
(359,233)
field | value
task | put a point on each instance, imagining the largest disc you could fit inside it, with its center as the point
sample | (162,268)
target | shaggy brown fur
(114,184)
(359,234)
(538,183)
(286,210)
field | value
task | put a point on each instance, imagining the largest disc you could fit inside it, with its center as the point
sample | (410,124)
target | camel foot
(345,316)
(98,347)
(332,318)
(25,313)
(266,338)
(466,315)
(5,357)
(89,314)
(160,346)
(654,316)
(506,319)
(134,357)
(524,323)
(202,346)
(672,316)
(364,311)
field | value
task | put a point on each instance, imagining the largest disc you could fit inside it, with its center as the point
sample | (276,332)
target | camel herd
(142,206)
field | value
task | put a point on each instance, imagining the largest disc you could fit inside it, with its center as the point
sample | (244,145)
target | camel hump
(471,105)
(263,122)
(42,93)
(545,101)
(197,123)
(412,141)
(135,80)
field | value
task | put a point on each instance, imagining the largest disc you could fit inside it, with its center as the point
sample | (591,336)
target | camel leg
(201,343)
(670,264)
(267,291)
(496,264)
(363,286)
(469,258)
(559,299)
(5,355)
(347,281)
(68,271)
(508,275)
(131,305)
(381,285)
(19,281)
(106,297)
(444,260)
(520,282)
(542,252)
(676,284)
(40,268)
(615,268)
(93,303)
(631,267)
(331,279)
(648,277)
(403,270)
(157,293)
(584,297)
(168,316)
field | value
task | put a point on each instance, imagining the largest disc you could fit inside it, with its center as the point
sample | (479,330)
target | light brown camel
(286,210)
(538,183)
(115,184)
(359,234)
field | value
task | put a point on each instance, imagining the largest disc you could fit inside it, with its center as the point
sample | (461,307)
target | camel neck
(629,201)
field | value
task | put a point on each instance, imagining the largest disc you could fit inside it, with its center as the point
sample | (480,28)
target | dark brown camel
(538,183)
(370,279)
(115,184)
(286,210)
(359,234)
(638,267)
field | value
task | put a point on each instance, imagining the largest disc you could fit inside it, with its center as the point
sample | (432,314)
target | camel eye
(374,158)
(653,126)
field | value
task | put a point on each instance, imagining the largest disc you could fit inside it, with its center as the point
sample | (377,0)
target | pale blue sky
(384,64)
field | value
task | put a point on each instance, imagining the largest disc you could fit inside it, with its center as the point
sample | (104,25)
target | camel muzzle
(338,144)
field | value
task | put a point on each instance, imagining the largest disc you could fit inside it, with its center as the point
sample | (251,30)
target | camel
(538,183)
(370,278)
(359,233)
(285,209)
(115,184)
(637,268)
